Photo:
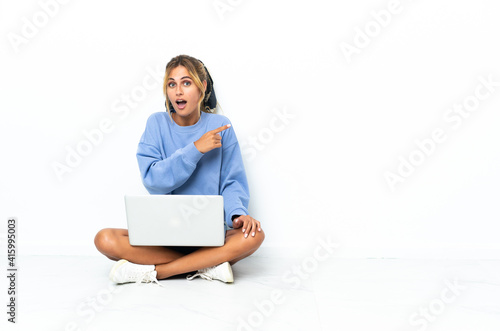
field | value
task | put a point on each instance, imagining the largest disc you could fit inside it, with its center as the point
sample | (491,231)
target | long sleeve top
(170,163)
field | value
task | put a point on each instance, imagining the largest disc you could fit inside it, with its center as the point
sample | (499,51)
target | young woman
(188,150)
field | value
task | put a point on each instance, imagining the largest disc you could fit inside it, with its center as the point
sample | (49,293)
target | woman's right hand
(210,140)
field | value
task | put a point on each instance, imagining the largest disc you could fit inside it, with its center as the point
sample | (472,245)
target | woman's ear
(205,85)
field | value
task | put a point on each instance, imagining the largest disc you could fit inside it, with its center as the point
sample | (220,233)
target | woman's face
(183,93)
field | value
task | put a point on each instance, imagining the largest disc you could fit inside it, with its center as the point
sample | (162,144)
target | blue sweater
(170,163)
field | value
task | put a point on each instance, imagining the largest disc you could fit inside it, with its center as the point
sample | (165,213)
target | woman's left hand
(248,224)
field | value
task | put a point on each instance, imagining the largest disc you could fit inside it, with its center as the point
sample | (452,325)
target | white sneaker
(222,272)
(126,272)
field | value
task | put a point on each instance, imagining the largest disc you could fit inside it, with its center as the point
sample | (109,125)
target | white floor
(74,293)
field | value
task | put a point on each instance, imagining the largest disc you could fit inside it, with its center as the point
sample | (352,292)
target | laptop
(175,220)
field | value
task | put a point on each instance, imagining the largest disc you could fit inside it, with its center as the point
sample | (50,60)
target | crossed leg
(114,244)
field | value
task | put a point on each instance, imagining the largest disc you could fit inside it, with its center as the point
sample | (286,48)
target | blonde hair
(196,70)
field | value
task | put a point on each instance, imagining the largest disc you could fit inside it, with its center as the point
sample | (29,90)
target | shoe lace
(147,277)
(203,273)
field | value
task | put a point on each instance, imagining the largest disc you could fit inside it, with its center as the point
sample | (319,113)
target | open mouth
(181,104)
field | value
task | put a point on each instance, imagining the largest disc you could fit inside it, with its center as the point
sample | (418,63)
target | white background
(351,118)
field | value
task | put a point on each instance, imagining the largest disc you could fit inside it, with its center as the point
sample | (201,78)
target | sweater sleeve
(162,174)
(234,185)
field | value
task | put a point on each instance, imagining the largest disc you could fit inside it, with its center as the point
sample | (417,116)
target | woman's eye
(187,83)
(171,84)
